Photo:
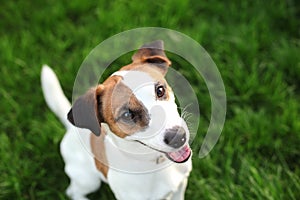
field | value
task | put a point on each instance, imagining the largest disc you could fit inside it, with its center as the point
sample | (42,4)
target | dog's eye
(128,116)
(160,91)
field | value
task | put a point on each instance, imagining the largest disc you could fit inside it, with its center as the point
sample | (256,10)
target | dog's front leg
(179,194)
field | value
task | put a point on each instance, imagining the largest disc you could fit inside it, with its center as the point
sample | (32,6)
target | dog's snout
(175,137)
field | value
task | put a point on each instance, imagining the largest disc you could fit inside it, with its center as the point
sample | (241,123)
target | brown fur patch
(98,150)
(116,99)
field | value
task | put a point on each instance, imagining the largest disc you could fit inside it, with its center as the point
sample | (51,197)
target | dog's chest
(145,173)
(154,185)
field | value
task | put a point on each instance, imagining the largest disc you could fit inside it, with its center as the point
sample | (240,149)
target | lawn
(255,44)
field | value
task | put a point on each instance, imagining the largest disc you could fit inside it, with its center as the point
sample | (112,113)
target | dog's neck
(139,157)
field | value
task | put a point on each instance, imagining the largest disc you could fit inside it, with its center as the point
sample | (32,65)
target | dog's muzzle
(175,137)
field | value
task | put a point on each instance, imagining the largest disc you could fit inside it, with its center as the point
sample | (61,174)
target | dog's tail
(54,96)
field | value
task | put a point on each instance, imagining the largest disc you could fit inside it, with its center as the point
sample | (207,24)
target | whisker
(186,116)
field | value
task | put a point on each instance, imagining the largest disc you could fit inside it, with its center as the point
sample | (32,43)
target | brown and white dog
(131,135)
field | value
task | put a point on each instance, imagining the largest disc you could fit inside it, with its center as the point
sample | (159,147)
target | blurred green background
(255,45)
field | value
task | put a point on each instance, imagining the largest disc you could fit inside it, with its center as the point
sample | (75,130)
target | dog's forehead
(135,80)
(141,77)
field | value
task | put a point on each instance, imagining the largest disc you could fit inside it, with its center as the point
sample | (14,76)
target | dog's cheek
(122,129)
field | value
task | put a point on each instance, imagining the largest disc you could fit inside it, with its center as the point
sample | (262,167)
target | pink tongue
(181,155)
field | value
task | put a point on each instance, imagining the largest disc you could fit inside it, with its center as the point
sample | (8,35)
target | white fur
(134,173)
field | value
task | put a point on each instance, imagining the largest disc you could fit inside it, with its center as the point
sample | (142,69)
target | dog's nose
(175,137)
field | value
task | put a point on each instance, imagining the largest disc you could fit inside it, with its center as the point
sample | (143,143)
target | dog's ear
(86,111)
(153,53)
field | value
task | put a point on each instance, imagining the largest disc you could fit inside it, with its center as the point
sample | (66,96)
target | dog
(126,132)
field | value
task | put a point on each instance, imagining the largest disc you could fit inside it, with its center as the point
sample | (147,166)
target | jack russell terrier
(126,132)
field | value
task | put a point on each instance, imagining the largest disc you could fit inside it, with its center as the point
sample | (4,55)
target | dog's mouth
(180,156)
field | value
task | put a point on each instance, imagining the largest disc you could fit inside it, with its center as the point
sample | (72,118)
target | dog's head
(137,104)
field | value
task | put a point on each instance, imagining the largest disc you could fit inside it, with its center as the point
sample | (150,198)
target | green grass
(255,45)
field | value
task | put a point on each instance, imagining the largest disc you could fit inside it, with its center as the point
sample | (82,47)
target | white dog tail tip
(54,96)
